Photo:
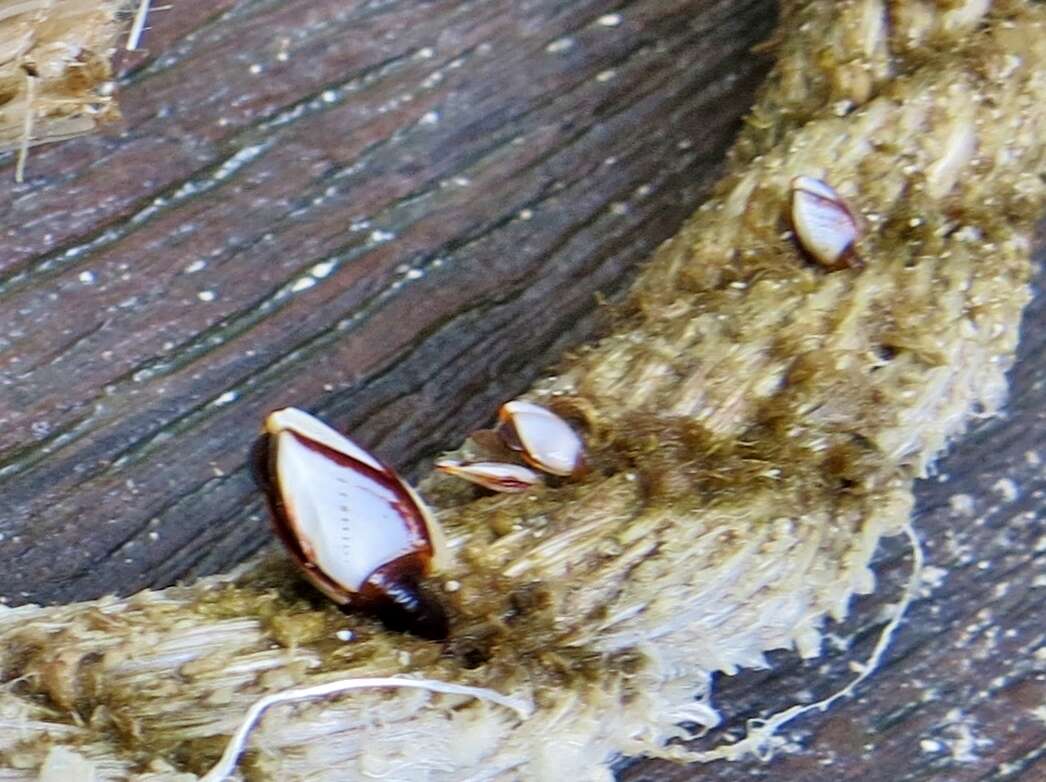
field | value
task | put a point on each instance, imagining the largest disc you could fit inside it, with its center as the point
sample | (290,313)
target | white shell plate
(546,438)
(349,523)
(497,476)
(822,221)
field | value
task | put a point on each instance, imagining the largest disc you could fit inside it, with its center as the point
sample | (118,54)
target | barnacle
(823,223)
(544,439)
(356,529)
(496,476)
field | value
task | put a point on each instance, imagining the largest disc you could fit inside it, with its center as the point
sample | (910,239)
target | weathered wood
(394,214)
(129,400)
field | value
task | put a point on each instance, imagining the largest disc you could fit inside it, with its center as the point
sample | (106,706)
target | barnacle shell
(359,532)
(826,227)
(545,440)
(496,476)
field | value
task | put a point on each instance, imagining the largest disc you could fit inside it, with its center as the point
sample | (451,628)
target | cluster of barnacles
(360,533)
(364,537)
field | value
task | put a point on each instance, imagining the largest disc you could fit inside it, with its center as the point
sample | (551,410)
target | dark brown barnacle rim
(330,544)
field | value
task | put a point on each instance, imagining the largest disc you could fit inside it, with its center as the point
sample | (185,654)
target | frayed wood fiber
(55,71)
(754,423)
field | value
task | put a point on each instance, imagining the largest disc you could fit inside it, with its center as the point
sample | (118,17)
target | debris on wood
(55,70)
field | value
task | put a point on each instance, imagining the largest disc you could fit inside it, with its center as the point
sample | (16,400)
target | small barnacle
(357,530)
(496,476)
(542,438)
(825,225)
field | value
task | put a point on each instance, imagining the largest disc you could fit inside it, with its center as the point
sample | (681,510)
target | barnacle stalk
(754,426)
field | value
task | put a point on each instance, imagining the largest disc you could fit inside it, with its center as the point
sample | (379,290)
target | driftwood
(43,474)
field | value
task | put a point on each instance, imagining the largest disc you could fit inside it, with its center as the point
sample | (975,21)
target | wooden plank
(394,214)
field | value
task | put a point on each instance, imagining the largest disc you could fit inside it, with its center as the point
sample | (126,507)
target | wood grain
(396,214)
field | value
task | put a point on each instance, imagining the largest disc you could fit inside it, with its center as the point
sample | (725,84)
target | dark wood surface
(396,214)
